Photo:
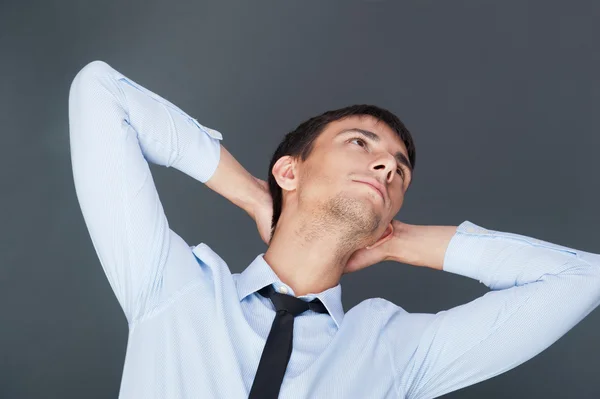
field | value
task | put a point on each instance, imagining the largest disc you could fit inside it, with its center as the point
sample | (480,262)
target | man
(335,185)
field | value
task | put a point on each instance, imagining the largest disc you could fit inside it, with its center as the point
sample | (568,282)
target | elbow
(89,86)
(87,78)
(92,70)
(591,261)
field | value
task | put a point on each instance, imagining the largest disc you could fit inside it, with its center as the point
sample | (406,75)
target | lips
(376,185)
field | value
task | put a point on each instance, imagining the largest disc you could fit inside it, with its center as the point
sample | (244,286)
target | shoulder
(209,260)
(206,254)
(387,316)
(378,310)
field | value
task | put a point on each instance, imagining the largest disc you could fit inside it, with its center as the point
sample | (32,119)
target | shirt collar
(259,274)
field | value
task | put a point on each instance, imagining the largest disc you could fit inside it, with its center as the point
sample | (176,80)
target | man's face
(334,180)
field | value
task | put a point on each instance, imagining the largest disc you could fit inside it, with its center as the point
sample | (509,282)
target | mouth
(374,188)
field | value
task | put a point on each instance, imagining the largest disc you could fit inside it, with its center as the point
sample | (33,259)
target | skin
(326,215)
(330,224)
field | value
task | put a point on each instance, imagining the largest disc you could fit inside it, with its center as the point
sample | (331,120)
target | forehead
(388,136)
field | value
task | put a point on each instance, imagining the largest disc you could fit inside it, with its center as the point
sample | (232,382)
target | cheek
(326,175)
(317,184)
(397,204)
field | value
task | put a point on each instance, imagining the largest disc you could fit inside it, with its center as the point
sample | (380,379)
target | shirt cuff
(201,155)
(501,259)
(465,253)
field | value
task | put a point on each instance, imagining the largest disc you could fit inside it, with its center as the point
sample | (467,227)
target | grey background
(501,97)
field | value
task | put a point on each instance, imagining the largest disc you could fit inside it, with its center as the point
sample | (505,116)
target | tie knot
(291,304)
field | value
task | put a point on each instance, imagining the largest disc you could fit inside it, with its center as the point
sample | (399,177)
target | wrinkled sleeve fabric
(116,127)
(539,291)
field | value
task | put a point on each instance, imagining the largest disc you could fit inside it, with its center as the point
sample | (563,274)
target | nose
(384,168)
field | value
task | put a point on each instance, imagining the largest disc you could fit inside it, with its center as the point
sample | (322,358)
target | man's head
(323,168)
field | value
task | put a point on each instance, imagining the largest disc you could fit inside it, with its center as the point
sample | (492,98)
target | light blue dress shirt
(197,331)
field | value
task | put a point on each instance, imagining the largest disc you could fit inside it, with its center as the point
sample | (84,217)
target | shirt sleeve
(116,127)
(539,291)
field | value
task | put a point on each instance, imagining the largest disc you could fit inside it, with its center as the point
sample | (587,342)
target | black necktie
(278,349)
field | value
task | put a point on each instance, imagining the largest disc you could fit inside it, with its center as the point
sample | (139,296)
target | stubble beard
(352,220)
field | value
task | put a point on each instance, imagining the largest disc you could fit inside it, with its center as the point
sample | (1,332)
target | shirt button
(283,289)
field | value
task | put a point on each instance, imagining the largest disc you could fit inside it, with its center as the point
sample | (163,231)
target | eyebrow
(400,157)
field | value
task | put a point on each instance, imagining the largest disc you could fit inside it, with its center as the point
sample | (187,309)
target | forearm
(421,245)
(169,137)
(540,290)
(234,182)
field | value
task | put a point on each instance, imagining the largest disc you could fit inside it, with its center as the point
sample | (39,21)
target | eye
(359,140)
(364,144)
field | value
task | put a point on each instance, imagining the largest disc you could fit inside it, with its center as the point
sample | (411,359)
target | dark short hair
(300,141)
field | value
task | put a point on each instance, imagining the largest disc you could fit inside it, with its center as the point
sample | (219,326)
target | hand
(381,251)
(262,213)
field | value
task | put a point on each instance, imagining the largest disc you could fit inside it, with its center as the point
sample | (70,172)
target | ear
(284,172)
(387,235)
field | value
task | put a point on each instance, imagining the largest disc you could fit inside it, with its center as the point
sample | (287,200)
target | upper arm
(115,189)
(492,334)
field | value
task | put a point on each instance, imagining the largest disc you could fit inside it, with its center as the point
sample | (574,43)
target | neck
(309,253)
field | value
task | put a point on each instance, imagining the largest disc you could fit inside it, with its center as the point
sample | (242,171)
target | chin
(356,212)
